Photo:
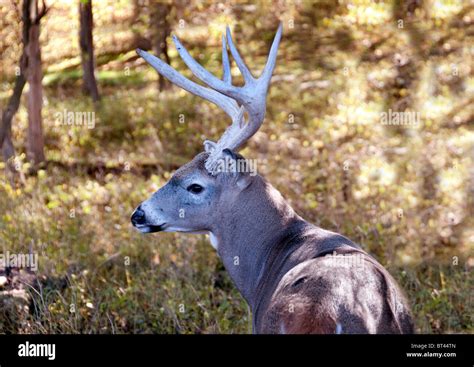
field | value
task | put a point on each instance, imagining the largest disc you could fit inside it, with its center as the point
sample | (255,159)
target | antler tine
(238,59)
(272,56)
(227,104)
(227,76)
(204,75)
(253,96)
(209,145)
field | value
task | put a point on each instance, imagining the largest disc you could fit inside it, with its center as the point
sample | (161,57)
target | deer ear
(237,165)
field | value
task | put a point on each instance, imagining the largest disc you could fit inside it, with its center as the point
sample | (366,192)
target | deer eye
(195,188)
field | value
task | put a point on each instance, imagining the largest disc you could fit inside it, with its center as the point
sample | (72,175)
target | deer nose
(138,217)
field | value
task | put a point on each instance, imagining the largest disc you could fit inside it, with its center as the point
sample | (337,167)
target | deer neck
(249,231)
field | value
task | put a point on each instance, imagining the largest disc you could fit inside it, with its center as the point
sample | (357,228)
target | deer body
(296,277)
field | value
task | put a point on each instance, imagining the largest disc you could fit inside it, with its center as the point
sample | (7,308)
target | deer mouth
(145,228)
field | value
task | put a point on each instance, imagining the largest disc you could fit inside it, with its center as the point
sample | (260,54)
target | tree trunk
(30,17)
(160,30)
(6,144)
(87,49)
(35,148)
(30,70)
(8,150)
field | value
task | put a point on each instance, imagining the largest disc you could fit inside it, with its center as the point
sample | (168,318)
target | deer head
(191,200)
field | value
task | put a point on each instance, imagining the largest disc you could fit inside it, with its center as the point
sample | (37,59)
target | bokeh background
(404,193)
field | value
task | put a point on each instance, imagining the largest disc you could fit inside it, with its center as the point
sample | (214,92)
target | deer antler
(235,101)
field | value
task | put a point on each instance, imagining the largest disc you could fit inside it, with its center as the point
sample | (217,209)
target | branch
(44,10)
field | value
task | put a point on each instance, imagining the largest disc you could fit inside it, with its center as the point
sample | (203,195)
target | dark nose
(138,217)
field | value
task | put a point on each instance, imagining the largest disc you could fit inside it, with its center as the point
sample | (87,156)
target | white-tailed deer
(296,277)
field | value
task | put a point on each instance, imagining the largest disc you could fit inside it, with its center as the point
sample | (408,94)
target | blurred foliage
(404,193)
